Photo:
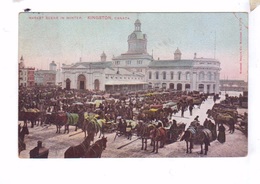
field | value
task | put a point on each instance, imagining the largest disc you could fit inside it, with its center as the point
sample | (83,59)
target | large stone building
(100,75)
(136,69)
(198,74)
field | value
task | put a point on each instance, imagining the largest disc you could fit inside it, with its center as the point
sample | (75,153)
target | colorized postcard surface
(132,85)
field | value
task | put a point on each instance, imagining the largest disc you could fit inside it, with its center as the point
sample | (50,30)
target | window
(171,75)
(201,76)
(139,62)
(150,75)
(128,62)
(156,75)
(117,62)
(164,75)
(179,75)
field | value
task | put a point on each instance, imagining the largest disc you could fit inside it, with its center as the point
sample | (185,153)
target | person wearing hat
(221,134)
(39,151)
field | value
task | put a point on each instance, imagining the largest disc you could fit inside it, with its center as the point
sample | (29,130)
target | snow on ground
(236,144)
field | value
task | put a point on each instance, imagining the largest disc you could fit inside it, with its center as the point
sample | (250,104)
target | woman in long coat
(221,134)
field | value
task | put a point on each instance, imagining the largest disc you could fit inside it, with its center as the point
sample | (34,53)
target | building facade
(46,77)
(100,75)
(136,69)
(25,75)
(198,74)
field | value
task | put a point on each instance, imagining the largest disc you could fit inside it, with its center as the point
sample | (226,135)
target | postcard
(133,85)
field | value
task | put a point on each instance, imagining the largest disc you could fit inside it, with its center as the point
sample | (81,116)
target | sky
(67,37)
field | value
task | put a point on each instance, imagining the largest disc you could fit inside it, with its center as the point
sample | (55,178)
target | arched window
(172,74)
(179,75)
(201,76)
(96,85)
(164,75)
(156,75)
(150,75)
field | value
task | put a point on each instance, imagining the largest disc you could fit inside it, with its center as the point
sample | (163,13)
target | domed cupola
(137,25)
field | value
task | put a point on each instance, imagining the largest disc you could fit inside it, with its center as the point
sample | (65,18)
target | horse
(224,118)
(60,119)
(21,133)
(92,125)
(31,115)
(96,149)
(212,127)
(199,135)
(158,135)
(144,132)
(80,150)
(175,131)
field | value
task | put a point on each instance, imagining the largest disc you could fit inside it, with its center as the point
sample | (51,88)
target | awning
(125,83)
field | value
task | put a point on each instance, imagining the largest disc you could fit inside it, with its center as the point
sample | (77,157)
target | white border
(174,170)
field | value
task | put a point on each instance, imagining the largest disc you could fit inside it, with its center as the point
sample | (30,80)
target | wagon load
(32,110)
(73,118)
(156,106)
(200,135)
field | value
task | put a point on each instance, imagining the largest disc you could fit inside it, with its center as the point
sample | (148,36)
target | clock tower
(137,41)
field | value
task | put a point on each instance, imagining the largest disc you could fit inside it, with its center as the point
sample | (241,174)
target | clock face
(133,35)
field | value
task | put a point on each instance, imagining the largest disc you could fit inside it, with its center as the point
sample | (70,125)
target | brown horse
(59,119)
(80,150)
(198,135)
(144,131)
(97,148)
(158,135)
(22,131)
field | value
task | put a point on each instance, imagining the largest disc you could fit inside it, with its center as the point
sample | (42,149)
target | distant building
(26,75)
(233,85)
(46,77)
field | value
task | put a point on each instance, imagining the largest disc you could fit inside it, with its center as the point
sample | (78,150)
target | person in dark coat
(221,134)
(182,110)
(232,126)
(39,151)
(191,108)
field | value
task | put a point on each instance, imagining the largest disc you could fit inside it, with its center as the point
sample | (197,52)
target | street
(236,144)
